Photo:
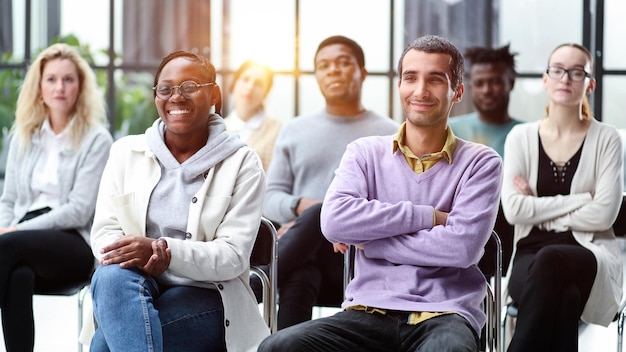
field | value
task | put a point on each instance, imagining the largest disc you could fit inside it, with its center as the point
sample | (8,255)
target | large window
(285,35)
(126,39)
(533,33)
(613,83)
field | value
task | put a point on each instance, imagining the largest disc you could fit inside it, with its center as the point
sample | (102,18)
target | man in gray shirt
(306,154)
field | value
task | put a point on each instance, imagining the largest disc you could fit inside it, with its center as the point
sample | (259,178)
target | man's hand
(441,217)
(340,248)
(281,231)
(128,251)
(306,203)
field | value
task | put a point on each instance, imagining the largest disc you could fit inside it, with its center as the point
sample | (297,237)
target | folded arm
(461,241)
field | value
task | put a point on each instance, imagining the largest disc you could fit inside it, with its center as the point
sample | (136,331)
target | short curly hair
(484,55)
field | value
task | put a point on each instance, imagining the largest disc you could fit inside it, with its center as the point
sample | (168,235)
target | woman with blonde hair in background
(250,85)
(562,191)
(59,145)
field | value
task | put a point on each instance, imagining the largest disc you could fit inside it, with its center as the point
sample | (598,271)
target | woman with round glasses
(562,190)
(177,215)
(251,83)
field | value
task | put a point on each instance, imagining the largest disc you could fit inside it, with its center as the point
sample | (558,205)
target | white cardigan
(589,211)
(223,224)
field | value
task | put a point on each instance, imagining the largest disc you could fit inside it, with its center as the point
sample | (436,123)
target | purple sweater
(378,201)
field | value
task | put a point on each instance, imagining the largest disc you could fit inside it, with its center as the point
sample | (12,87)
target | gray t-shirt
(471,128)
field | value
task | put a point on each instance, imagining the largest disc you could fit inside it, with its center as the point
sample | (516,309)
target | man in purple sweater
(419,206)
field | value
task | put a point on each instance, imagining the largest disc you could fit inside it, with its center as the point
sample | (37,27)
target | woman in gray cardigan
(56,156)
(562,190)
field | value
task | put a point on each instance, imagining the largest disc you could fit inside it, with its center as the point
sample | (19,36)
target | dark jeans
(309,272)
(360,331)
(36,260)
(551,289)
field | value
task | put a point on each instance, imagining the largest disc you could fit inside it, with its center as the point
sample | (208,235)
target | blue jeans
(135,313)
(354,330)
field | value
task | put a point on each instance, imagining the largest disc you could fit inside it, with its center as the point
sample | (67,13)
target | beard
(495,113)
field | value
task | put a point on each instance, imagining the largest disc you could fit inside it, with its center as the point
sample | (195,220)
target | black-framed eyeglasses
(187,89)
(574,74)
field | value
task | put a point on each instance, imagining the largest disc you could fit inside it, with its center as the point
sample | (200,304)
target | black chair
(264,264)
(493,304)
(505,232)
(491,336)
(619,226)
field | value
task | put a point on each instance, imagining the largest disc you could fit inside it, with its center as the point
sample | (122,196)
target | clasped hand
(147,254)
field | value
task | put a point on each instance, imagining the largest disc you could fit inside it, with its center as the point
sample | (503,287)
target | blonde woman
(58,149)
(562,190)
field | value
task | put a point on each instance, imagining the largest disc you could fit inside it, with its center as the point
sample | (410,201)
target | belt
(399,314)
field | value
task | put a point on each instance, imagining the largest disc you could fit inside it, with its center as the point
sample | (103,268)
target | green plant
(10,81)
(134,105)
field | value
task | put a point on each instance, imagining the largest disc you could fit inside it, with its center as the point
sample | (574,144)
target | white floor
(56,325)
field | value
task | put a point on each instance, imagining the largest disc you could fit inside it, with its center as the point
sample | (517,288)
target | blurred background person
(58,149)
(563,183)
(492,77)
(250,85)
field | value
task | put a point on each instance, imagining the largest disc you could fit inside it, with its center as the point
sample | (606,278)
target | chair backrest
(263,251)
(265,255)
(493,304)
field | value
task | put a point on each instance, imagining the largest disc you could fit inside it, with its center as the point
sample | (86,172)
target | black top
(550,182)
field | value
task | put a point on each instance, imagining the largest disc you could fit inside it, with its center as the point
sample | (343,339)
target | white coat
(222,226)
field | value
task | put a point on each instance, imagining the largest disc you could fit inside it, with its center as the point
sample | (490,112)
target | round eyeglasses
(187,89)
(574,74)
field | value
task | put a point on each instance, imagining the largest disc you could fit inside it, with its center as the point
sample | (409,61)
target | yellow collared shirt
(422,163)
